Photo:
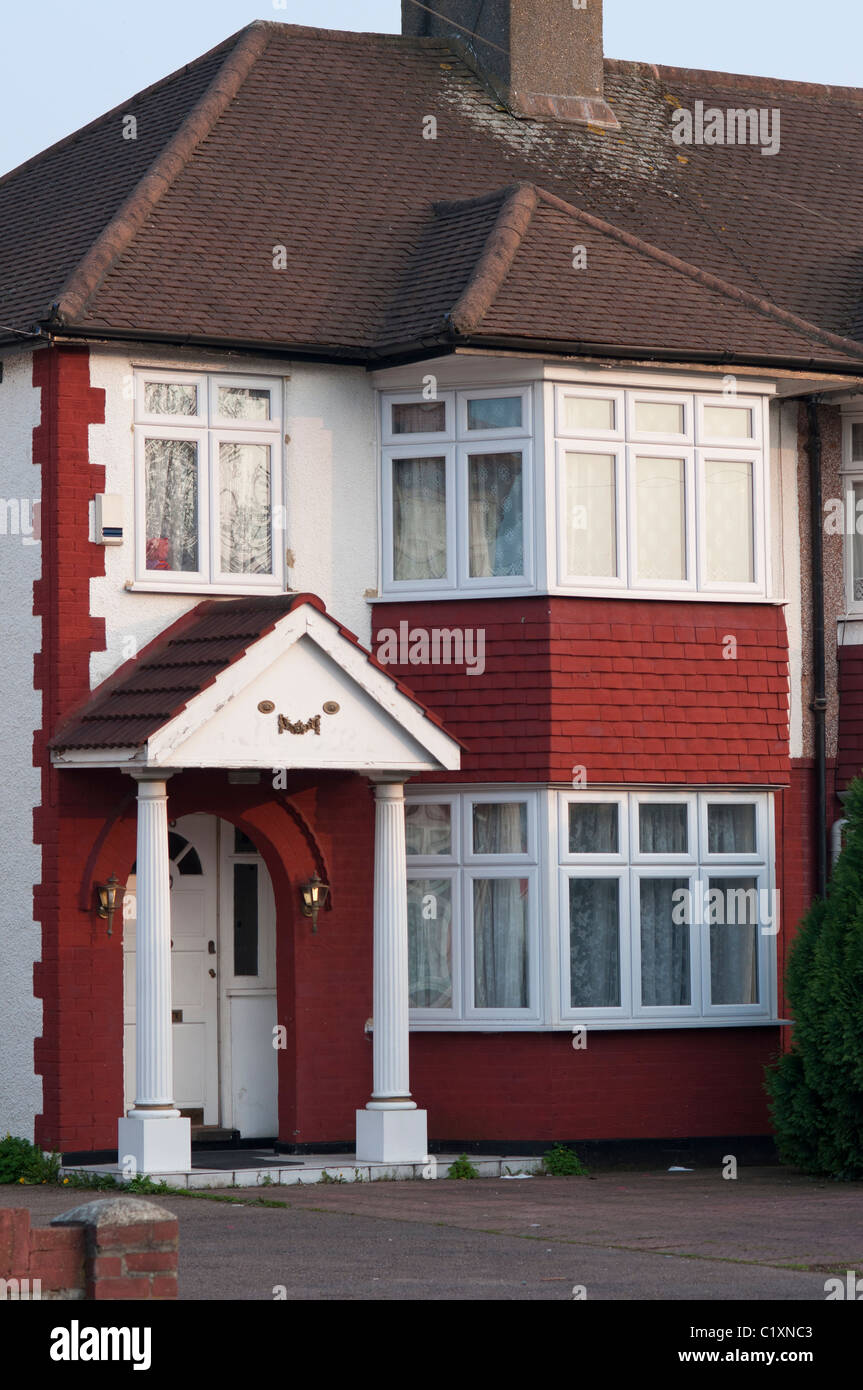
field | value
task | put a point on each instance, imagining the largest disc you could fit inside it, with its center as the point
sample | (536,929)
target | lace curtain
(171,486)
(496,508)
(734,943)
(500,922)
(594,943)
(665,944)
(591,535)
(244,508)
(419,518)
(430,943)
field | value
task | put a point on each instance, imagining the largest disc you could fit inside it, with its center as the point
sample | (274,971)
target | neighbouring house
(433,591)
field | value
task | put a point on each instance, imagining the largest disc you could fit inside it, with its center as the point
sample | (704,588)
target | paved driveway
(622,1236)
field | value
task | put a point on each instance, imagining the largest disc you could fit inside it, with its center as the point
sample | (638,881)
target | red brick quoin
(117,1248)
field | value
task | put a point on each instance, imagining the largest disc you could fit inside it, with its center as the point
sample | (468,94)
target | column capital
(143,775)
(389,788)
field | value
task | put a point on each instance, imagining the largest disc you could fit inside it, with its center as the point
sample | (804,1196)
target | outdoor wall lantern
(314,895)
(110,895)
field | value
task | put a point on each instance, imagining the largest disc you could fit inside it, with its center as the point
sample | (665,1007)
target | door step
(209,1136)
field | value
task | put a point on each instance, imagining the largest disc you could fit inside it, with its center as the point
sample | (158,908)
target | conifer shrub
(816,1089)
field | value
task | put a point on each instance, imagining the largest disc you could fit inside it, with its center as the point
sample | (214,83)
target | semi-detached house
(421,680)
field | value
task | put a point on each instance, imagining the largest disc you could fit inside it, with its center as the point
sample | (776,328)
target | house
(434,608)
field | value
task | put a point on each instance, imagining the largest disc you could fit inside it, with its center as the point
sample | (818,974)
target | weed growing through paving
(462,1168)
(330,1178)
(561,1162)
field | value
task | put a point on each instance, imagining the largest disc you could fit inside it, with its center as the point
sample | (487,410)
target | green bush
(462,1168)
(561,1162)
(21,1161)
(816,1089)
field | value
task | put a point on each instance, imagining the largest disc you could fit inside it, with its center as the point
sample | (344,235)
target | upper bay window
(849,518)
(208,480)
(647,492)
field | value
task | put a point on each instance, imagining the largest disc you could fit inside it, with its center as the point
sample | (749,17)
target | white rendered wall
(330,494)
(20,859)
(785,536)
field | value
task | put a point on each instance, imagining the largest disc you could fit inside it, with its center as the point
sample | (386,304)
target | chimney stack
(541,57)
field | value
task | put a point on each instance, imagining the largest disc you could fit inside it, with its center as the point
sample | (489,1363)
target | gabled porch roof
(255,683)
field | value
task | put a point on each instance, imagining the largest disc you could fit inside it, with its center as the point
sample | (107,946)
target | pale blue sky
(64,62)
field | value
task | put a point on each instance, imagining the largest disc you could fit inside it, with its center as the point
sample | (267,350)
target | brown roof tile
(314,140)
(152,688)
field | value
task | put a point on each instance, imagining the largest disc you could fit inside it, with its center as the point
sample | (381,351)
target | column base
(158,1144)
(392,1136)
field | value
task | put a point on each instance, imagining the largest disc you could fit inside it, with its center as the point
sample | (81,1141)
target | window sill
(556,591)
(144,586)
(607,1025)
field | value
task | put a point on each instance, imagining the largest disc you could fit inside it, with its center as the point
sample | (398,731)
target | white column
(391,1129)
(154,1134)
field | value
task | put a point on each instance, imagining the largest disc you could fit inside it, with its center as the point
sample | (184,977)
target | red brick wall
(849,757)
(77,1048)
(97,1262)
(632,690)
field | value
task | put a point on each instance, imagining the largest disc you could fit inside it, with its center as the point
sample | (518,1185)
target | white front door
(248,989)
(192,848)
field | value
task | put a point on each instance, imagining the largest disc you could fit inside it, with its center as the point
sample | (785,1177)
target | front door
(194,970)
(223,979)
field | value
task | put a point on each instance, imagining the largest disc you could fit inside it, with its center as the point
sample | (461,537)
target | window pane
(245,919)
(591,515)
(593,827)
(588,413)
(244,508)
(500,943)
(419,518)
(728,518)
(665,968)
(421,417)
(733,919)
(856,442)
(594,943)
(242,843)
(244,402)
(430,943)
(496,542)
(663,827)
(661,518)
(500,829)
(170,398)
(427,828)
(659,417)
(731,829)
(171,488)
(728,422)
(498,413)
(857,544)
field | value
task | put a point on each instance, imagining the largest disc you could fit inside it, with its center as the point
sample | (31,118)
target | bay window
(546,908)
(208,480)
(852,511)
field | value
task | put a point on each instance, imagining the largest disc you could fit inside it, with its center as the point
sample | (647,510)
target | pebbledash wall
(20,861)
(526,719)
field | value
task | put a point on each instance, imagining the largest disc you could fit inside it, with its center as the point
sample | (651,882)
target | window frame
(207,430)
(448,583)
(753,404)
(615,394)
(390,439)
(661,438)
(685,453)
(617,450)
(465,581)
(704,455)
(485,393)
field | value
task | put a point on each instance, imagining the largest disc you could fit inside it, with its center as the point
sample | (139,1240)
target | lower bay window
(540,908)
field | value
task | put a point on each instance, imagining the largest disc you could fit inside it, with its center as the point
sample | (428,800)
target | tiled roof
(152,688)
(315,141)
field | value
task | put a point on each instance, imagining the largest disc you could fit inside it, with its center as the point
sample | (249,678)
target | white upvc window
(457,494)
(473,907)
(660,492)
(851,511)
(541,908)
(666,907)
(208,481)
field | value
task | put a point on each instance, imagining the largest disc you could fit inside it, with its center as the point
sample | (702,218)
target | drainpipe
(819,693)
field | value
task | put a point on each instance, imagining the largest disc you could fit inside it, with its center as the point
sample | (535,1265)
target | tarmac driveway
(768,1234)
